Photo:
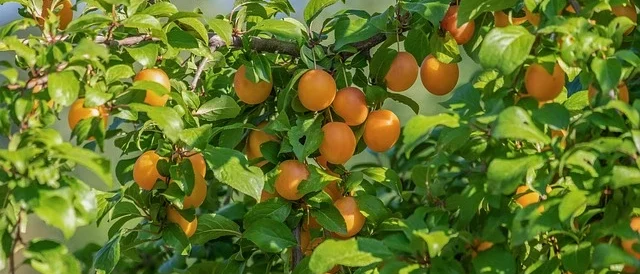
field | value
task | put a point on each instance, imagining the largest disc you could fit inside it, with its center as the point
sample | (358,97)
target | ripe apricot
(158,76)
(623,92)
(351,104)
(438,78)
(291,174)
(350,211)
(266,195)
(198,164)
(382,130)
(78,112)
(145,172)
(402,73)
(629,11)
(542,85)
(316,90)
(627,244)
(257,137)
(174,216)
(333,190)
(533,18)
(501,19)
(461,34)
(307,245)
(249,92)
(479,246)
(64,12)
(338,143)
(198,194)
(526,197)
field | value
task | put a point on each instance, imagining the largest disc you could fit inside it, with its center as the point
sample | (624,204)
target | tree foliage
(532,166)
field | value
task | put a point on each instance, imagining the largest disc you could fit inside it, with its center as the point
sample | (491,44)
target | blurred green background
(93,234)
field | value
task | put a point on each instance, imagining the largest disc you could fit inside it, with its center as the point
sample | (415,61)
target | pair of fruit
(437,77)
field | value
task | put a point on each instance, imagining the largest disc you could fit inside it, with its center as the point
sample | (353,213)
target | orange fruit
(461,34)
(158,76)
(542,85)
(623,92)
(78,112)
(570,9)
(560,134)
(528,198)
(533,18)
(291,174)
(249,92)
(501,19)
(145,172)
(307,245)
(438,78)
(266,196)
(64,12)
(351,104)
(350,211)
(479,246)
(382,130)
(402,73)
(333,190)
(198,163)
(338,143)
(174,216)
(198,194)
(627,244)
(629,11)
(256,138)
(316,90)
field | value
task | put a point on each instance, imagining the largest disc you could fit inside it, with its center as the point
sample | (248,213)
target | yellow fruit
(316,90)
(461,34)
(351,104)
(158,76)
(338,143)
(350,211)
(291,174)
(438,78)
(78,112)
(382,130)
(145,173)
(64,13)
(198,194)
(403,72)
(542,85)
(249,92)
(189,228)
(256,138)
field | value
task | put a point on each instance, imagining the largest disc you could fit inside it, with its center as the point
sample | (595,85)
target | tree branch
(575,5)
(297,251)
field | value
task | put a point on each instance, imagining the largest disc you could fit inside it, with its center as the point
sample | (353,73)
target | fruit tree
(237,134)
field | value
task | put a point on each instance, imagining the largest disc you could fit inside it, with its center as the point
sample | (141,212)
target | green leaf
(317,180)
(419,126)
(515,123)
(63,87)
(494,260)
(46,256)
(608,72)
(314,8)
(212,226)
(161,9)
(23,51)
(385,176)
(142,21)
(222,28)
(506,48)
(232,168)
(573,204)
(435,240)
(504,175)
(329,218)
(180,39)
(471,9)
(577,101)
(445,49)
(275,209)
(89,159)
(417,43)
(281,29)
(118,72)
(605,255)
(173,236)
(194,24)
(311,131)
(223,107)
(197,137)
(352,29)
(270,235)
(86,21)
(576,258)
(622,176)
(372,208)
(553,114)
(433,11)
(165,117)
(146,54)
(108,256)
(354,252)
(55,209)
